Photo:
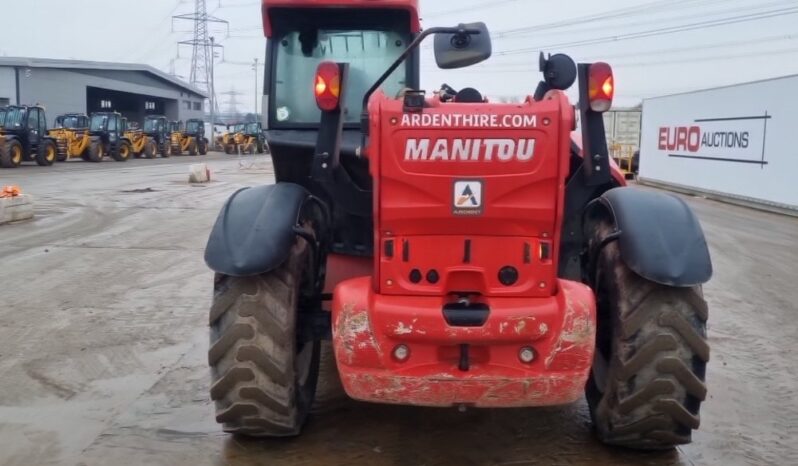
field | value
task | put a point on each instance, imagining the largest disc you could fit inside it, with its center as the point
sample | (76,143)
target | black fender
(255,230)
(658,235)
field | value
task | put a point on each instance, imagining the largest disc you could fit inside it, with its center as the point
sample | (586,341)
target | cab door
(34,132)
(113,131)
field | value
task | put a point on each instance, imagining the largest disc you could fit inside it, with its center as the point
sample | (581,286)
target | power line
(567,27)
(582,20)
(704,59)
(656,32)
(157,43)
(481,6)
(650,53)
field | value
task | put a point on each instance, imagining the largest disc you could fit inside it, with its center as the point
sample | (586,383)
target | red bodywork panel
(517,156)
(367,327)
(410,5)
(466,190)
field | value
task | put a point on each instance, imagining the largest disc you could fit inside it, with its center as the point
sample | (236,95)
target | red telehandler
(459,253)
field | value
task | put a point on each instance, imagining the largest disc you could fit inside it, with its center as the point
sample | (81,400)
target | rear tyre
(11,154)
(176,150)
(203,148)
(263,379)
(150,149)
(647,382)
(192,147)
(122,152)
(96,152)
(47,154)
(228,149)
(260,147)
(165,150)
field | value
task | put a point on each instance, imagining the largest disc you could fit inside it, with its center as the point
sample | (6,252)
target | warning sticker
(467,198)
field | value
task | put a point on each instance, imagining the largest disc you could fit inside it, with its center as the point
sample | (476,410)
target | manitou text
(469,150)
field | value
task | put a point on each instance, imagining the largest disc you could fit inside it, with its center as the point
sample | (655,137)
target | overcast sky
(655,46)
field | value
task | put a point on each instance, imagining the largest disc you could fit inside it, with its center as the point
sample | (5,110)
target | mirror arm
(364,116)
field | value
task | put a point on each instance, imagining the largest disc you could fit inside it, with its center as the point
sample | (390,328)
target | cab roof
(410,5)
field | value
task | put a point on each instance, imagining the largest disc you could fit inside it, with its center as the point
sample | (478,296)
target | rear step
(466,314)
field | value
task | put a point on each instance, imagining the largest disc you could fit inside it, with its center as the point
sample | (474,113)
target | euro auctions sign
(733,139)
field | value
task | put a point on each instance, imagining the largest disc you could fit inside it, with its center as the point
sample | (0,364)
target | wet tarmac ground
(103,342)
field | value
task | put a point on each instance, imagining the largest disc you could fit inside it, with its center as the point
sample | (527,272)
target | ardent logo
(467,197)
(469,150)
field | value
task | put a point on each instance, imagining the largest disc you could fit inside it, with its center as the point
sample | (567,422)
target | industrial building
(64,86)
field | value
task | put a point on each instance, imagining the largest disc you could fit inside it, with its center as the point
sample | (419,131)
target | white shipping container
(738,141)
(623,127)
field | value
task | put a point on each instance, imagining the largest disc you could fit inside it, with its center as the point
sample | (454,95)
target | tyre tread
(251,353)
(655,378)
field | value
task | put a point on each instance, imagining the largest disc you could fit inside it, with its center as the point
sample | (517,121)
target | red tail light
(328,86)
(601,87)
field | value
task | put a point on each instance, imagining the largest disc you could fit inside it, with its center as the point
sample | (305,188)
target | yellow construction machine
(140,143)
(190,138)
(230,140)
(627,158)
(251,139)
(71,135)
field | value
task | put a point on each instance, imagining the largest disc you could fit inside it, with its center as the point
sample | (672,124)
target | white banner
(737,140)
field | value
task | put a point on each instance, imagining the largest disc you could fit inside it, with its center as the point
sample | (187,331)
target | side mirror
(559,71)
(469,46)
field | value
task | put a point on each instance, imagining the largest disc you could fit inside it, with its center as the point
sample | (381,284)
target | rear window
(299,47)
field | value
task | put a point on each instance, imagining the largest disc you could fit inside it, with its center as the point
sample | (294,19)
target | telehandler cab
(156,128)
(190,139)
(71,135)
(107,130)
(23,136)
(457,252)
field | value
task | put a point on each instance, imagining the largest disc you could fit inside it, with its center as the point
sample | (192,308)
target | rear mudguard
(659,237)
(255,230)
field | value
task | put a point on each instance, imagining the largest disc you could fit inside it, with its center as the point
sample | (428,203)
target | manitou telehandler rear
(24,137)
(71,135)
(458,252)
(190,139)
